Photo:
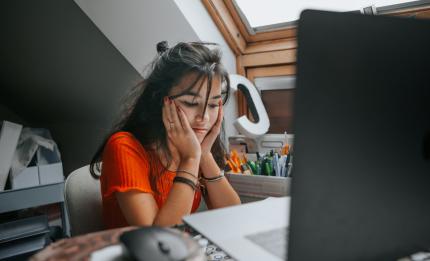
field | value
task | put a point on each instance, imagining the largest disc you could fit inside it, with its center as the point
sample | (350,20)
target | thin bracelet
(187,172)
(189,182)
(221,175)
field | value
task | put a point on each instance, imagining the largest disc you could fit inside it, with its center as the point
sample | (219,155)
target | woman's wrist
(209,167)
(189,182)
(181,172)
(206,161)
(213,178)
(206,156)
(191,160)
(188,166)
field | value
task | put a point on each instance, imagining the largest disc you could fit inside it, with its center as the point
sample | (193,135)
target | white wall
(201,22)
(135,27)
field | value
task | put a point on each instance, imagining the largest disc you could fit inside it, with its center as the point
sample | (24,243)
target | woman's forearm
(181,196)
(220,192)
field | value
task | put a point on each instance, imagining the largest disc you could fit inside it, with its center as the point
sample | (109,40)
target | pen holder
(259,187)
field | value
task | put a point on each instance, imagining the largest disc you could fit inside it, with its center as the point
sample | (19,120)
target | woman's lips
(198,130)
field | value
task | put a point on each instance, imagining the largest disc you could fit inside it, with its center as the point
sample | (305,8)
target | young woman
(166,152)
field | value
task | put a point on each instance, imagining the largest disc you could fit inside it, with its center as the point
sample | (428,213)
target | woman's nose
(203,116)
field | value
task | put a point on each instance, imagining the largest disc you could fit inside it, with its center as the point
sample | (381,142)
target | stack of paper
(9,135)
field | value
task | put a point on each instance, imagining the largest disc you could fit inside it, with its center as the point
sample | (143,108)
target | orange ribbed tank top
(126,167)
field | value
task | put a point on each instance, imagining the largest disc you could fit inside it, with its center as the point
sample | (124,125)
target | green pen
(258,168)
(252,166)
(267,168)
(269,162)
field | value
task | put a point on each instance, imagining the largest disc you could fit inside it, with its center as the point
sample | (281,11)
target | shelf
(16,199)
(26,197)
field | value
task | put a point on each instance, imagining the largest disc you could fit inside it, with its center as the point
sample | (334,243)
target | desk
(80,247)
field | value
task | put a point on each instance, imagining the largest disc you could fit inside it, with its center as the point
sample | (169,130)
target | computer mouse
(158,244)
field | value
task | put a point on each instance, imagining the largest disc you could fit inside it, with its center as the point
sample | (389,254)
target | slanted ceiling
(59,71)
(56,64)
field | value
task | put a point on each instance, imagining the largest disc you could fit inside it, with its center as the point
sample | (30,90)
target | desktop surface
(361,177)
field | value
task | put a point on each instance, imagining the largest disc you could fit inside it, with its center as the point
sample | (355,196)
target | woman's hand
(179,131)
(210,138)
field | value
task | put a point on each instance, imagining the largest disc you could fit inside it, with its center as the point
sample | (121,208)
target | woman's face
(193,102)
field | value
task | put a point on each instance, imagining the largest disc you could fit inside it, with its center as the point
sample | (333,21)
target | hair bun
(162,47)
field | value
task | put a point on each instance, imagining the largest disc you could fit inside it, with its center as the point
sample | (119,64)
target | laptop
(251,231)
(361,178)
(361,175)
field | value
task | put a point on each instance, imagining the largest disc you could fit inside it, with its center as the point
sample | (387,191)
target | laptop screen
(361,176)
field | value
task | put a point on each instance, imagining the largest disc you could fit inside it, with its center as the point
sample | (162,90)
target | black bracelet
(186,172)
(221,175)
(189,182)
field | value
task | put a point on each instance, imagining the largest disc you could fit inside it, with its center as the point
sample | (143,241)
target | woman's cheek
(213,116)
(188,113)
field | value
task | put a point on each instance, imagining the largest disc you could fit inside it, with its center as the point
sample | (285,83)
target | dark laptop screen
(361,177)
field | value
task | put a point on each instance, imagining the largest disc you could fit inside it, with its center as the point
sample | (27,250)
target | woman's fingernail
(170,100)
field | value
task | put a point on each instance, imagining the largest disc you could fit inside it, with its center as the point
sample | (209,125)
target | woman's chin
(200,136)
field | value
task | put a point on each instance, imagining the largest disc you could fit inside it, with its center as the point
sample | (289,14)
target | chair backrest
(83,202)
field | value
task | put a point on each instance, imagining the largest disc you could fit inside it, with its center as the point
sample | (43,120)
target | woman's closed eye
(196,104)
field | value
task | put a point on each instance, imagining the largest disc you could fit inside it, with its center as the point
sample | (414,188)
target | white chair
(83,202)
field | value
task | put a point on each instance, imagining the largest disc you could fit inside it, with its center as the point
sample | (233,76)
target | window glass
(268,12)
(277,94)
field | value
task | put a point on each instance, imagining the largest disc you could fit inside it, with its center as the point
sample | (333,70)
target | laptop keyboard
(213,253)
(274,241)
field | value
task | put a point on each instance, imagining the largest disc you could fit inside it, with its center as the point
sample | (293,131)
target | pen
(245,169)
(253,168)
(267,168)
(275,163)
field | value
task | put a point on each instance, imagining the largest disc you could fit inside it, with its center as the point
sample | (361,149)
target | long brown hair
(142,115)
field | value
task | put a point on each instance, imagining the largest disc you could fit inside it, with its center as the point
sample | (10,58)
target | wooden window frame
(266,49)
(283,41)
(237,36)
(269,71)
(262,49)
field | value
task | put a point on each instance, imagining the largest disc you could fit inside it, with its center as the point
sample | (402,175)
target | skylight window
(270,12)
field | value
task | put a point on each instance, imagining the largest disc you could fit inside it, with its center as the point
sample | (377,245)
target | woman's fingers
(185,124)
(181,120)
(167,118)
(217,126)
(175,117)
(220,115)
(181,135)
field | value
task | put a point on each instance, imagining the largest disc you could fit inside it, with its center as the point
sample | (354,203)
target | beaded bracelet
(221,175)
(189,182)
